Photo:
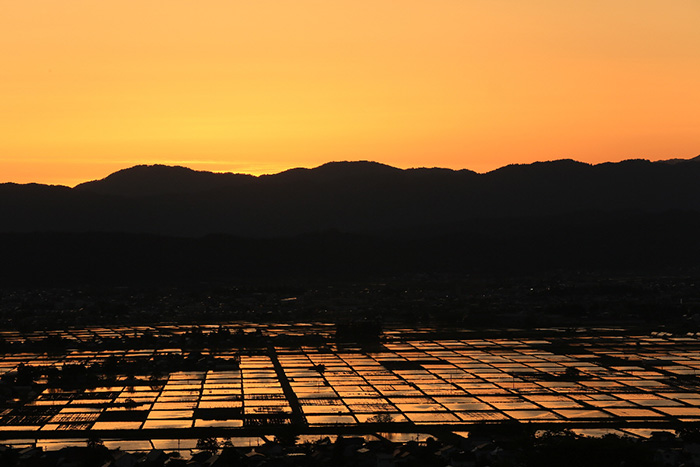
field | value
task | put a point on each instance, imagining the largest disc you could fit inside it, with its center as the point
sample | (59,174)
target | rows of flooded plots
(624,383)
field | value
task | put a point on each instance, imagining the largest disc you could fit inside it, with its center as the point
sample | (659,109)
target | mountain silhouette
(152,180)
(353,220)
(362,197)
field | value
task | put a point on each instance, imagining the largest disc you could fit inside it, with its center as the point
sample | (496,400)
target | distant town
(432,369)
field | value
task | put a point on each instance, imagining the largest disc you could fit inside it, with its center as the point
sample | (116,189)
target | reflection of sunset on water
(407,383)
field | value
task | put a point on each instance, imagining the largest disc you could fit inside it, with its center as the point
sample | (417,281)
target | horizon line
(181,164)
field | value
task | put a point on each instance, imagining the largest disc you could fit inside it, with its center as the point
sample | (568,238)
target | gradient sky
(258,86)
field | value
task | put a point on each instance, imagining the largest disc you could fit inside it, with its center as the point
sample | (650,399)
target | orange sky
(258,86)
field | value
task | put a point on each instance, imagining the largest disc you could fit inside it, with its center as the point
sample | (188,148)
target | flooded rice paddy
(410,382)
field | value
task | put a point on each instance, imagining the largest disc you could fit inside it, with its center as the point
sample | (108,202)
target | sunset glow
(89,87)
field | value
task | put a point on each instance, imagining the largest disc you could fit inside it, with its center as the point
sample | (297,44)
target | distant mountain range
(353,220)
(349,197)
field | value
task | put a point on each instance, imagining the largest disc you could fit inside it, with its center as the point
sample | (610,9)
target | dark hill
(353,197)
(662,244)
(150,180)
(333,172)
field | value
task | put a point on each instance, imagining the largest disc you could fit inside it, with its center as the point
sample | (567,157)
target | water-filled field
(407,383)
